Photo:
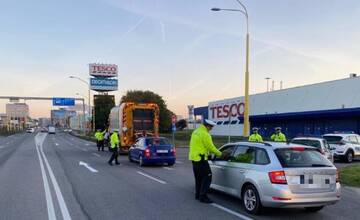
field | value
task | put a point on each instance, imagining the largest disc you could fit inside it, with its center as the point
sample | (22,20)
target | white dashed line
(96,155)
(151,177)
(56,144)
(179,162)
(244,217)
(168,168)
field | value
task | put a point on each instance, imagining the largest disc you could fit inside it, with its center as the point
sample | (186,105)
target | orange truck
(134,120)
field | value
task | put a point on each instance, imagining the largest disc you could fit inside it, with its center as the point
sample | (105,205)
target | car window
(227,152)
(353,139)
(311,143)
(244,154)
(301,157)
(262,157)
(157,141)
(332,139)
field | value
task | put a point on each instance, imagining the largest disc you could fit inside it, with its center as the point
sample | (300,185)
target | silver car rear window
(301,157)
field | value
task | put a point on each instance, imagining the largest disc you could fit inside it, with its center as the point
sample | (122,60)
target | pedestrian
(106,139)
(278,136)
(255,137)
(200,145)
(99,135)
(114,145)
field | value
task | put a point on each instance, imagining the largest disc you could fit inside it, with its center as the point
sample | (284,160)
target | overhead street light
(243,11)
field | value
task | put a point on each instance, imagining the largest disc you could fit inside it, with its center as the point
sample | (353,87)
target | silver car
(275,175)
(319,143)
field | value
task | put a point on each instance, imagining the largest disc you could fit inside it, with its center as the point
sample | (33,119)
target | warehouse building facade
(314,109)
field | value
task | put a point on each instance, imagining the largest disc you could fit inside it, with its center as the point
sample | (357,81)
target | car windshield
(301,157)
(157,141)
(307,142)
(331,139)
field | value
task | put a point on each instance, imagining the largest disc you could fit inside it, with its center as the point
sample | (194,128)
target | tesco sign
(220,111)
(103,70)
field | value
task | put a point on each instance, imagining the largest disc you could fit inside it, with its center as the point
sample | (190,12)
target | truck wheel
(349,156)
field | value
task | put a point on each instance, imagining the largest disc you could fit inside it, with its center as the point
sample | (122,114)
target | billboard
(63,101)
(103,84)
(103,70)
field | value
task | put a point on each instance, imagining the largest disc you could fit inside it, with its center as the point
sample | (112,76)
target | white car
(30,130)
(319,143)
(346,146)
(51,130)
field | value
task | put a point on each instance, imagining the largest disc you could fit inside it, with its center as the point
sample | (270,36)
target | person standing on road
(114,144)
(255,137)
(106,139)
(99,135)
(200,145)
(278,136)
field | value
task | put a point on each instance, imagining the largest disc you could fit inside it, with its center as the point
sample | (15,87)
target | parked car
(43,129)
(30,130)
(319,143)
(152,150)
(51,130)
(346,146)
(275,175)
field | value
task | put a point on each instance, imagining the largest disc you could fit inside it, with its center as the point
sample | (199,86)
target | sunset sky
(177,48)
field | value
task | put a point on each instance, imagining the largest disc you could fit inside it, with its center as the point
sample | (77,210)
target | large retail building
(314,109)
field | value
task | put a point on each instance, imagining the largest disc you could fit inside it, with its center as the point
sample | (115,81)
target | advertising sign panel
(63,101)
(103,84)
(103,70)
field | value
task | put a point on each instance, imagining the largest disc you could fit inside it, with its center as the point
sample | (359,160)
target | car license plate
(162,151)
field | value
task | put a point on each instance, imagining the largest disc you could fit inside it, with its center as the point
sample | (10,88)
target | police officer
(278,136)
(200,146)
(114,144)
(255,137)
(99,135)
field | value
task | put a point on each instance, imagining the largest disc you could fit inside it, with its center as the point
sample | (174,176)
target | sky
(177,48)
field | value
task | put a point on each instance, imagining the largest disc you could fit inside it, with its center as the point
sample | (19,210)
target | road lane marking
(179,162)
(1,147)
(96,155)
(64,210)
(49,201)
(56,144)
(168,168)
(87,166)
(150,177)
(244,217)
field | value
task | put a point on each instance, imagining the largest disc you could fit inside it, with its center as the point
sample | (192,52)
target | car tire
(314,209)
(141,161)
(251,200)
(349,157)
(131,160)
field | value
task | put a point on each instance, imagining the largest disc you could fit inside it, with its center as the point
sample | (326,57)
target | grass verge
(350,175)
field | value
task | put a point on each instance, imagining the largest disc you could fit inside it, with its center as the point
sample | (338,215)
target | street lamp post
(247,104)
(89,97)
(267,83)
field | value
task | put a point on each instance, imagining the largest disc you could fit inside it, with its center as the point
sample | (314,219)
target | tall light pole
(247,104)
(84,115)
(267,83)
(89,97)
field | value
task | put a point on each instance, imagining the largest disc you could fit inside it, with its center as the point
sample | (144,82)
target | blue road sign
(173,127)
(63,101)
(103,84)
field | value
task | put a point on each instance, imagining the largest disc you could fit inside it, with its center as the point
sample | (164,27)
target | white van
(51,130)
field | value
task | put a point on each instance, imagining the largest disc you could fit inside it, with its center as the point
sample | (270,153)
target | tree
(103,105)
(181,124)
(139,96)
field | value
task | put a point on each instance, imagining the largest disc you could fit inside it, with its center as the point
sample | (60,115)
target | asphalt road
(62,177)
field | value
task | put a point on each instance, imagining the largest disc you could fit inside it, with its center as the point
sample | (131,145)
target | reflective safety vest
(99,135)
(114,140)
(280,137)
(255,138)
(201,144)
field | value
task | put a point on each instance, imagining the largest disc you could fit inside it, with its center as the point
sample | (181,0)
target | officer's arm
(260,139)
(284,138)
(208,143)
(272,137)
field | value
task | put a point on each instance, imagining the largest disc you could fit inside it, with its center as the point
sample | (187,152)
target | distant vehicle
(134,121)
(51,130)
(153,150)
(65,130)
(30,130)
(347,146)
(69,130)
(43,129)
(275,175)
(319,143)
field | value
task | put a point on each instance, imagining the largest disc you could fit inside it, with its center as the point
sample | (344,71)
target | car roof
(268,144)
(308,138)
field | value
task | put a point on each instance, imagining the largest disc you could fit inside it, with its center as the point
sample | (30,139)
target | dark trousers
(100,145)
(114,155)
(203,176)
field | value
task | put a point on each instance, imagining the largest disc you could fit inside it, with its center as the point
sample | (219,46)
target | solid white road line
(64,210)
(87,166)
(96,155)
(49,201)
(150,177)
(244,217)
(168,168)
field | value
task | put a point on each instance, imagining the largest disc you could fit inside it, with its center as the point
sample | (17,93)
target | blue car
(152,150)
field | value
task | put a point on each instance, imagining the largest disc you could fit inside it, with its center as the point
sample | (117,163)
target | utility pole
(267,83)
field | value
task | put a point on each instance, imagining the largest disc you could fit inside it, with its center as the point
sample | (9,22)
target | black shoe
(205,199)
(110,163)
(117,163)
